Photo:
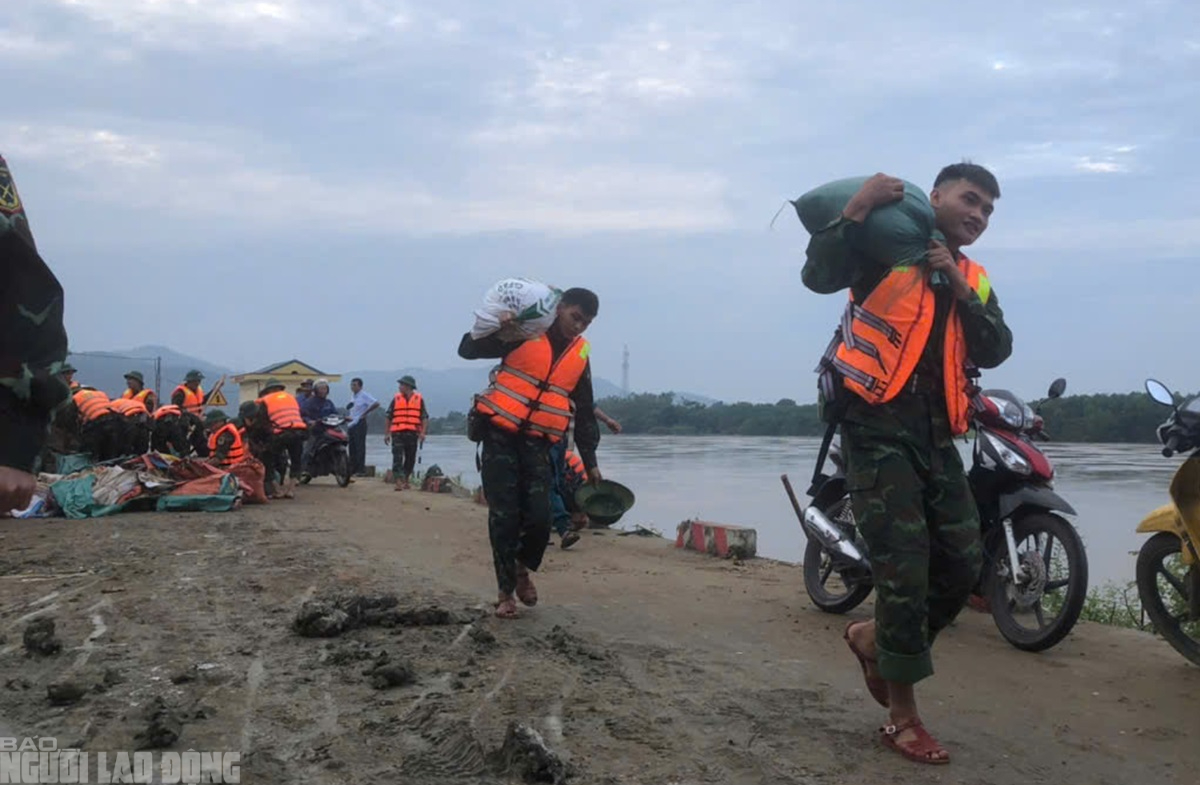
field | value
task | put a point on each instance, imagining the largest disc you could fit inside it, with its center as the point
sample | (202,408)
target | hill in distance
(444,390)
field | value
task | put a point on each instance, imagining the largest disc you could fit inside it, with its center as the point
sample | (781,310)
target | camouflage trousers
(915,511)
(516,483)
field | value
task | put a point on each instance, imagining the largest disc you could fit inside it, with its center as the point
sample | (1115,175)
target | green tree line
(1124,418)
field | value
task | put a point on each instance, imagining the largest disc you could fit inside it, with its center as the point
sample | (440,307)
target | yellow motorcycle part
(1182,516)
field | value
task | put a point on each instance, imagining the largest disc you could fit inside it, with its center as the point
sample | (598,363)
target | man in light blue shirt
(362,404)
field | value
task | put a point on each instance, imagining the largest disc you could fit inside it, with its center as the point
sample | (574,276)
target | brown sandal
(876,685)
(922,749)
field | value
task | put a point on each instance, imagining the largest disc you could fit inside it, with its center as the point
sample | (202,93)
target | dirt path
(643,664)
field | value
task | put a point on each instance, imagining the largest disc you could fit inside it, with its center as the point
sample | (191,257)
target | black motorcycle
(1034,574)
(330,451)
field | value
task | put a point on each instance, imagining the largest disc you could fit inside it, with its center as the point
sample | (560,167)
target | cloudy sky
(341,180)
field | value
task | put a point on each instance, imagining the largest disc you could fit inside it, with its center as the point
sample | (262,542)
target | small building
(290,372)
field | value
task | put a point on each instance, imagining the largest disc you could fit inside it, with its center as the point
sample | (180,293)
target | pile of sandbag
(898,233)
(531,304)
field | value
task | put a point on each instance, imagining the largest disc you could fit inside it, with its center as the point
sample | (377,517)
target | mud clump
(431,616)
(565,643)
(40,638)
(366,610)
(319,619)
(330,617)
(164,727)
(484,638)
(384,673)
(392,674)
(349,655)
(65,693)
(526,755)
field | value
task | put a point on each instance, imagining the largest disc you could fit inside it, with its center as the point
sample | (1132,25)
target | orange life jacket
(237,450)
(128,407)
(138,396)
(575,465)
(170,410)
(92,404)
(879,343)
(284,411)
(532,390)
(406,413)
(192,401)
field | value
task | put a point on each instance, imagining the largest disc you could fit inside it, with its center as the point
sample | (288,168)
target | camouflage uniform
(33,341)
(910,496)
(258,441)
(168,434)
(516,477)
(516,471)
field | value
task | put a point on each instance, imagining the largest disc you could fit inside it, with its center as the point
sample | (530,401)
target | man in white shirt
(360,406)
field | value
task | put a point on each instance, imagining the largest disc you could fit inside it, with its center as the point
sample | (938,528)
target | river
(735,480)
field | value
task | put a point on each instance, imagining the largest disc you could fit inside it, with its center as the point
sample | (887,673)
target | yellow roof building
(291,373)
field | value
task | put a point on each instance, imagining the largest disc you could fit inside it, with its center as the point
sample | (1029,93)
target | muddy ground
(641,664)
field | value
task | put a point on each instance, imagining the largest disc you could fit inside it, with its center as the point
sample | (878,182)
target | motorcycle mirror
(1058,388)
(1159,392)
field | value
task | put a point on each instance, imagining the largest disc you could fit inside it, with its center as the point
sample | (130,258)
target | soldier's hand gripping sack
(897,233)
(532,305)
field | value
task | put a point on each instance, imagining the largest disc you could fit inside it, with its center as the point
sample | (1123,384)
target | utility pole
(625,372)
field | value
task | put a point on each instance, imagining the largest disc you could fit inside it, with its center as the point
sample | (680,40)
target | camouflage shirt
(33,341)
(834,262)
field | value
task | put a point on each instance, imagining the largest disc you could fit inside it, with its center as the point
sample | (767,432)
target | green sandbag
(894,234)
(76,462)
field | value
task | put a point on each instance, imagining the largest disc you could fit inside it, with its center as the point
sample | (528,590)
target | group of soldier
(934,322)
(270,429)
(133,422)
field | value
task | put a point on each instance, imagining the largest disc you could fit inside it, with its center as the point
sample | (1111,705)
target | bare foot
(526,591)
(860,637)
(506,608)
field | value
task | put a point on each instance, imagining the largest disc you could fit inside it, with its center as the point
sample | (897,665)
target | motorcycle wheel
(341,468)
(1063,595)
(831,589)
(1162,583)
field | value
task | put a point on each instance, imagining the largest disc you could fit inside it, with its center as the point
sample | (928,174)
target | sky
(250,181)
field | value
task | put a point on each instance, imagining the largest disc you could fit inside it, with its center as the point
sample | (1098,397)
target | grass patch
(1116,605)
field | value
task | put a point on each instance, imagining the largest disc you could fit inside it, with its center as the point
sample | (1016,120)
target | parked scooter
(330,452)
(1035,568)
(1168,565)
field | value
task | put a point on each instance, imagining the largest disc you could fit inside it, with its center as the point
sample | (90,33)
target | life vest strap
(541,384)
(863,378)
(874,322)
(847,327)
(520,423)
(830,351)
(533,403)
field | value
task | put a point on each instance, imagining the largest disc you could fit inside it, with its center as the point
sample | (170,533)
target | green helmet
(193,376)
(136,376)
(272,384)
(406,379)
(68,368)
(215,416)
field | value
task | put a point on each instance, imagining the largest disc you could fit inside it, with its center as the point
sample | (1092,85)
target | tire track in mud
(440,747)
